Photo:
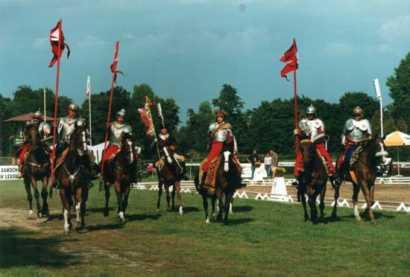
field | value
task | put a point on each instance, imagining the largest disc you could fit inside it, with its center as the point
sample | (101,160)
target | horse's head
(34,135)
(128,146)
(308,150)
(78,140)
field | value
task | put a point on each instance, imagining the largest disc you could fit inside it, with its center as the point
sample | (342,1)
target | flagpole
(56,104)
(295,100)
(44,105)
(89,109)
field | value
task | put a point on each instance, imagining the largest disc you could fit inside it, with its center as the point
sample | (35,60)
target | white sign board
(9,172)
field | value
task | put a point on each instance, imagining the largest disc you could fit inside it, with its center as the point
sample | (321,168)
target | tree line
(267,126)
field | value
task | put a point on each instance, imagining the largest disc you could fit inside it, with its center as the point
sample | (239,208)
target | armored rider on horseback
(44,130)
(313,129)
(117,129)
(167,147)
(221,138)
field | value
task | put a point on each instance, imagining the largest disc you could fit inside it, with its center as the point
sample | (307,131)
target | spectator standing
(253,159)
(267,161)
(275,162)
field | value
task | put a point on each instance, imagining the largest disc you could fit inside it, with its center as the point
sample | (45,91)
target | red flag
(56,42)
(291,60)
(114,65)
(146,117)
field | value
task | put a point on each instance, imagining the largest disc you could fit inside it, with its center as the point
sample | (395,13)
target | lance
(159,108)
(114,72)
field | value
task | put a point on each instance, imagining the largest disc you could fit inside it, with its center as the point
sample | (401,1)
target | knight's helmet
(127,130)
(357,111)
(72,107)
(37,115)
(311,110)
(121,113)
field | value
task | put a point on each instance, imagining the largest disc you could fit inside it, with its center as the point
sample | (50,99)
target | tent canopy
(396,139)
(24,117)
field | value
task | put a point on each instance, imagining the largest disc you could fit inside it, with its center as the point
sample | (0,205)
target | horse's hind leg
(168,197)
(78,200)
(303,199)
(205,204)
(66,209)
(84,196)
(355,196)
(213,207)
(126,195)
(228,199)
(27,186)
(107,198)
(312,205)
(322,202)
(120,200)
(336,198)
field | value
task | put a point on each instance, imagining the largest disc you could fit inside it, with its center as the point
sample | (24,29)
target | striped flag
(88,88)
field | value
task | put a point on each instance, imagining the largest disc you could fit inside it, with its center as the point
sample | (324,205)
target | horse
(312,181)
(73,177)
(228,180)
(170,175)
(362,173)
(36,168)
(119,172)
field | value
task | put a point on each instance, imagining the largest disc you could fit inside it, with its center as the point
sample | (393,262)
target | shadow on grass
(188,209)
(110,226)
(238,221)
(99,210)
(377,215)
(139,217)
(242,209)
(20,248)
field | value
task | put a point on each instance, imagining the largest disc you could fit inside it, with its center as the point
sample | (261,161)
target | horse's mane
(370,147)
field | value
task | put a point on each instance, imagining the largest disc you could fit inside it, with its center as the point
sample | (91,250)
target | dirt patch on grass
(10,218)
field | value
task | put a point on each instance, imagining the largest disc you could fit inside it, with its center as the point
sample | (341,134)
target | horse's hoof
(30,213)
(121,216)
(207,221)
(106,213)
(66,228)
(39,215)
(181,210)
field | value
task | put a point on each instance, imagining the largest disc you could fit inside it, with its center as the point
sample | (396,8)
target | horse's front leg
(322,201)
(27,186)
(213,202)
(78,200)
(160,185)
(168,197)
(367,197)
(84,197)
(355,197)
(336,198)
(126,195)
(173,198)
(44,196)
(66,208)
(312,204)
(36,196)
(221,206)
(120,202)
(179,198)
(107,198)
(228,199)
(302,195)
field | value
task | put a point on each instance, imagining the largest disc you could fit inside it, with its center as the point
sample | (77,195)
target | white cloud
(91,41)
(338,49)
(396,29)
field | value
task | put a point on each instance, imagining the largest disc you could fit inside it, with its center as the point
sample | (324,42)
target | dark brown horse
(72,177)
(36,168)
(362,173)
(169,176)
(120,172)
(312,181)
(228,180)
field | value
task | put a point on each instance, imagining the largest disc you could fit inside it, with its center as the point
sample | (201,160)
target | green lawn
(262,239)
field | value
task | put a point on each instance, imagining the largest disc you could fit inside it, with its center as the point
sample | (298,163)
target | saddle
(209,182)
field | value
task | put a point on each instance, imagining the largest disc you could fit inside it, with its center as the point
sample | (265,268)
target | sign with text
(9,172)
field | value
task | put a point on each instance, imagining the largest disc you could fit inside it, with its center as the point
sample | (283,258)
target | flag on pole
(56,41)
(114,65)
(146,117)
(291,60)
(88,88)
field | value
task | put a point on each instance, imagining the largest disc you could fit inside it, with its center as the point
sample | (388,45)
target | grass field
(262,239)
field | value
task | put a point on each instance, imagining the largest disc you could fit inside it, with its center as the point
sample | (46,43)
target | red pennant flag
(146,117)
(114,65)
(291,60)
(57,43)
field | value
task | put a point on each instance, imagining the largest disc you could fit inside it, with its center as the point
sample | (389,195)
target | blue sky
(186,49)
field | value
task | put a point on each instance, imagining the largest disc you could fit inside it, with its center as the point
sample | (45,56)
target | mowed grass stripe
(263,238)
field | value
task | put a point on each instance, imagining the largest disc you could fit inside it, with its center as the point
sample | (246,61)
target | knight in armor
(221,139)
(313,128)
(66,127)
(167,147)
(356,130)
(44,131)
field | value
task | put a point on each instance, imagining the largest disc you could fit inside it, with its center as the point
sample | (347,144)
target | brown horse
(36,168)
(228,180)
(312,181)
(72,177)
(362,173)
(120,172)
(170,175)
